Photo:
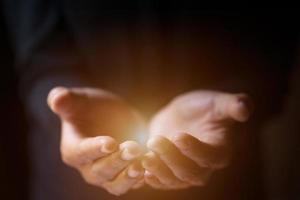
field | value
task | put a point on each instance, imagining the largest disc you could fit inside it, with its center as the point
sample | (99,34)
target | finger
(235,106)
(110,166)
(181,166)
(77,150)
(139,184)
(152,181)
(152,163)
(203,154)
(90,149)
(126,179)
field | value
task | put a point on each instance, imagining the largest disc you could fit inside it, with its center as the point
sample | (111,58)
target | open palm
(190,137)
(94,123)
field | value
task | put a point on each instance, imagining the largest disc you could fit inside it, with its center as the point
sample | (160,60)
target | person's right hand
(93,123)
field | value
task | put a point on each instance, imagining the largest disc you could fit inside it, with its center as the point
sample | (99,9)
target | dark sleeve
(46,55)
(45,52)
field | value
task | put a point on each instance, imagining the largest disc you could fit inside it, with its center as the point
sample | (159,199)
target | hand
(93,121)
(190,138)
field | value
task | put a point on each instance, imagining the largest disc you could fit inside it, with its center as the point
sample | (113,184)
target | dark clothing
(148,52)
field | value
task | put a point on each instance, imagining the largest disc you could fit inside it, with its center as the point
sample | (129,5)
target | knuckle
(197,181)
(187,178)
(101,173)
(117,163)
(96,172)
(92,180)
(220,164)
(185,147)
(154,185)
(197,177)
(201,180)
(169,181)
(182,141)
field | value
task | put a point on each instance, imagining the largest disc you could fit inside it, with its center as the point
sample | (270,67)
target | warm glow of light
(141,137)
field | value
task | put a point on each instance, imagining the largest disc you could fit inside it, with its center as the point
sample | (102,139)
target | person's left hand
(190,138)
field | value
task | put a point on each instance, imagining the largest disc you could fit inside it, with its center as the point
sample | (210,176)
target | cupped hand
(190,138)
(94,123)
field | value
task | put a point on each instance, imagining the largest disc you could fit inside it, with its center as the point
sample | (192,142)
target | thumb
(65,102)
(235,106)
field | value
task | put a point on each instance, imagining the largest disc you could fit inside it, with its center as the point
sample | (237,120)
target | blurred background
(148,52)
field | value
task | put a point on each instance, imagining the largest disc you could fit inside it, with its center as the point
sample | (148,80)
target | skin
(92,122)
(190,138)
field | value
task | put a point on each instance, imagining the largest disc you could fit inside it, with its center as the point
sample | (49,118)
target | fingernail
(152,142)
(158,144)
(148,174)
(133,173)
(182,139)
(108,147)
(127,155)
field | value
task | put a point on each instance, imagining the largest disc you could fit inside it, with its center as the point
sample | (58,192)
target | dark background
(14,168)
(273,33)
